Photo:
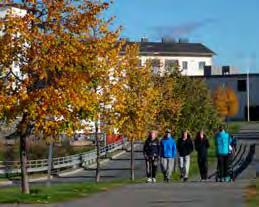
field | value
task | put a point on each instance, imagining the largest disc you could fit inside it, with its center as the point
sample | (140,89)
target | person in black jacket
(185,148)
(201,145)
(151,154)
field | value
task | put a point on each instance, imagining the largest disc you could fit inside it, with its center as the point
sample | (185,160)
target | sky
(228,27)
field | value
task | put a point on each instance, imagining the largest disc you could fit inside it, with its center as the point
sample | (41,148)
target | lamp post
(248,95)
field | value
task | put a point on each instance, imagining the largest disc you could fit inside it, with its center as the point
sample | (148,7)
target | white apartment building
(12,9)
(191,58)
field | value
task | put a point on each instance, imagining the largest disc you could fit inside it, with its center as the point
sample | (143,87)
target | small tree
(186,104)
(198,111)
(169,103)
(56,50)
(135,100)
(226,102)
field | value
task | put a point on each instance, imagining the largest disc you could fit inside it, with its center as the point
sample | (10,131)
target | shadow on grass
(56,192)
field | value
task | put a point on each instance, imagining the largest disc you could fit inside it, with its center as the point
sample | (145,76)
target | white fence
(82,159)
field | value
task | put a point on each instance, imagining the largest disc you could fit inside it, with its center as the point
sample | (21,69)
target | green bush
(186,104)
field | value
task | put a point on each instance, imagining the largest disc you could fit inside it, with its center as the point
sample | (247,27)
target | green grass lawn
(234,127)
(252,195)
(56,192)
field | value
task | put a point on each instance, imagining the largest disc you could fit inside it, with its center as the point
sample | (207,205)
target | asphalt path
(189,194)
(114,169)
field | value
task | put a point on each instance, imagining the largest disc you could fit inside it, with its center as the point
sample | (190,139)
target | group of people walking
(165,151)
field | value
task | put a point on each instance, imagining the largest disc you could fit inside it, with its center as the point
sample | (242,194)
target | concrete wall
(232,81)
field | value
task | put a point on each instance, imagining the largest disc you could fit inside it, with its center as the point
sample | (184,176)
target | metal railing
(82,159)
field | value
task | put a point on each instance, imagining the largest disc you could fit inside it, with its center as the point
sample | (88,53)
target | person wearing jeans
(167,155)
(185,148)
(151,154)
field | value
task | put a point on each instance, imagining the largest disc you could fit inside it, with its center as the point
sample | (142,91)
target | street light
(248,94)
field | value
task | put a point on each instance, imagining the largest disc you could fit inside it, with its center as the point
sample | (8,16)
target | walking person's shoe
(149,180)
(227,179)
(166,180)
(185,179)
(154,180)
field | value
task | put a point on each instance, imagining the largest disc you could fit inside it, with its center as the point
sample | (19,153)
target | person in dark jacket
(201,145)
(151,154)
(185,148)
(167,154)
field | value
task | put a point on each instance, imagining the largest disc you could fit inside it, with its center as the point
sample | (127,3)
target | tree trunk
(132,161)
(97,141)
(50,163)
(23,160)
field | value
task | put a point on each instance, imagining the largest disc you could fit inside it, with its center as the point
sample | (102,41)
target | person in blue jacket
(167,155)
(222,141)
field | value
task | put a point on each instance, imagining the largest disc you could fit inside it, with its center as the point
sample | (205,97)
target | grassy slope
(56,192)
(252,195)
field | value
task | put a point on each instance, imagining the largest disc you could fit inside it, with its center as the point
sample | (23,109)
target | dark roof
(174,49)
(15,5)
(10,5)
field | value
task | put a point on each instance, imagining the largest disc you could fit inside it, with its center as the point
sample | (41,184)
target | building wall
(232,81)
(193,63)
(11,10)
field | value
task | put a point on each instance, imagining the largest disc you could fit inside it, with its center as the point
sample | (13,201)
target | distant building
(238,82)
(12,9)
(191,58)
(218,70)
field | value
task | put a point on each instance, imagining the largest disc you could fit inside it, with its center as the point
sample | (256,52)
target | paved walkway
(190,194)
(118,168)
(193,194)
(165,195)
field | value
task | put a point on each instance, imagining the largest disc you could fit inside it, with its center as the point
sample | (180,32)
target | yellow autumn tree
(226,102)
(170,103)
(62,49)
(135,100)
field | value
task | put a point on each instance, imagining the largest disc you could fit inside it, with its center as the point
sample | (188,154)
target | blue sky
(228,27)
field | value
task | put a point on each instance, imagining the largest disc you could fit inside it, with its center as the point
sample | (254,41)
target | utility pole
(50,157)
(248,93)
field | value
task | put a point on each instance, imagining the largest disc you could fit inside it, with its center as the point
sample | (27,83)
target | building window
(170,65)
(155,63)
(202,65)
(241,85)
(185,65)
(139,62)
